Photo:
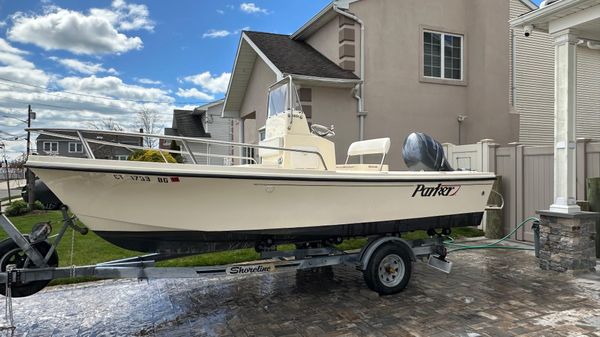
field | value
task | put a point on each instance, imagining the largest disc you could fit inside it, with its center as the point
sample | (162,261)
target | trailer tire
(10,253)
(389,269)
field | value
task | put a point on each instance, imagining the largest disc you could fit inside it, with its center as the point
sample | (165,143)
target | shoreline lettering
(439,190)
(238,270)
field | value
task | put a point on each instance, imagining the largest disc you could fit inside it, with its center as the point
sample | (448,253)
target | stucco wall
(397,101)
(255,99)
(325,40)
(336,106)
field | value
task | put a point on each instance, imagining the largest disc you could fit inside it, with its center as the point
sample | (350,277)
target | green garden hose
(493,245)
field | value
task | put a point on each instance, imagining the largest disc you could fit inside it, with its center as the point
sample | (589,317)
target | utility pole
(7,173)
(30,176)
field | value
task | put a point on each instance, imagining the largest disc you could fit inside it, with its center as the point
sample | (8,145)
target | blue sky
(79,62)
(64,56)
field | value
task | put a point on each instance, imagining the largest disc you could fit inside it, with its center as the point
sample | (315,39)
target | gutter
(359,88)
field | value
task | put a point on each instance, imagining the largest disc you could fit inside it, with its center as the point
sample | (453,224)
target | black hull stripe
(197,242)
(258,177)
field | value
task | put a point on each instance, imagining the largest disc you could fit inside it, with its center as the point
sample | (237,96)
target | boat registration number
(142,178)
(250,269)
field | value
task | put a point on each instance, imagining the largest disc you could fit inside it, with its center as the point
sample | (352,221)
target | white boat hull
(161,207)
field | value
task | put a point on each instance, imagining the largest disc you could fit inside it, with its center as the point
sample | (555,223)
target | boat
(293,192)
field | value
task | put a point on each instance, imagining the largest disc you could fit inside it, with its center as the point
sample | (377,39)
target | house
(440,67)
(532,91)
(203,122)
(56,146)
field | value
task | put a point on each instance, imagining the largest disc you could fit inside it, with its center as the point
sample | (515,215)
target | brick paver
(489,293)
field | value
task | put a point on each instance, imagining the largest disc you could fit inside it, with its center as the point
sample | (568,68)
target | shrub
(152,155)
(18,207)
(176,155)
(37,205)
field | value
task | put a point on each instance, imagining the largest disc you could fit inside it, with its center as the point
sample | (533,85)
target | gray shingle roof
(297,57)
(186,124)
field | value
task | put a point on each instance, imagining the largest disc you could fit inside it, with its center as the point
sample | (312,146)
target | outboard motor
(423,153)
(42,193)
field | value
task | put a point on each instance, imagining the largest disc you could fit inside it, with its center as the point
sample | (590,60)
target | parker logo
(434,191)
(240,270)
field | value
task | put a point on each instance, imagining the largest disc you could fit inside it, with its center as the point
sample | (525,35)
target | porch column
(565,72)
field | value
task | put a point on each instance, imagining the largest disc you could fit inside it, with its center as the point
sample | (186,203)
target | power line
(53,93)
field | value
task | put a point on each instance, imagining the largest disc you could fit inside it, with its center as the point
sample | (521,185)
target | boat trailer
(29,262)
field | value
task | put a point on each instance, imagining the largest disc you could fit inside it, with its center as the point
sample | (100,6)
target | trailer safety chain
(8,310)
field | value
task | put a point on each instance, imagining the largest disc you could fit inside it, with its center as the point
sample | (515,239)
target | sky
(82,62)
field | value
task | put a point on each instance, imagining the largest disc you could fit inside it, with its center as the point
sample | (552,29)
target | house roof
(283,56)
(297,57)
(563,12)
(215,108)
(186,124)
(89,135)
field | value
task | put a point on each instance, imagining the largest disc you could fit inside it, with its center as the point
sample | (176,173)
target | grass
(91,249)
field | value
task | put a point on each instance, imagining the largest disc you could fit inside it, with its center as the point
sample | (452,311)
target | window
(262,133)
(75,147)
(121,157)
(442,55)
(50,147)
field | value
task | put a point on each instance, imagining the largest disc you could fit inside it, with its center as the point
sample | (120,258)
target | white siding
(534,99)
(219,129)
(588,93)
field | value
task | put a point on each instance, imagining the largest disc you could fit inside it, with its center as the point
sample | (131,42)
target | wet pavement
(488,293)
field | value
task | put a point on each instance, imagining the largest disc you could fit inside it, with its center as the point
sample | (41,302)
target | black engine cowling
(423,153)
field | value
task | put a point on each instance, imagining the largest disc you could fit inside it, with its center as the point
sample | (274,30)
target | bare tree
(149,121)
(105,124)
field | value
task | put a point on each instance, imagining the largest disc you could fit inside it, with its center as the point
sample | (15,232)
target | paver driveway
(489,293)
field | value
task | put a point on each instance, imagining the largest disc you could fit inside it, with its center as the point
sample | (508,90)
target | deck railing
(88,136)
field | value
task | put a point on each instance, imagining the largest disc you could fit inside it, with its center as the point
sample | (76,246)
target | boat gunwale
(365,177)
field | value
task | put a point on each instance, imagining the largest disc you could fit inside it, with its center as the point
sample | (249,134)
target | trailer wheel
(10,253)
(388,270)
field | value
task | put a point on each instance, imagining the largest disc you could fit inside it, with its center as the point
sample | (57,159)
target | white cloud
(114,87)
(6,47)
(194,93)
(220,11)
(147,81)
(212,33)
(94,33)
(11,56)
(126,16)
(210,83)
(86,68)
(251,8)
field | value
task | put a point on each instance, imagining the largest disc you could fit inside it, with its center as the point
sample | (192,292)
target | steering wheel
(322,131)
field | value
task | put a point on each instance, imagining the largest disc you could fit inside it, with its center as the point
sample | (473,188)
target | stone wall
(567,242)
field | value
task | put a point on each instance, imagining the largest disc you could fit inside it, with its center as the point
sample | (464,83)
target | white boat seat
(371,146)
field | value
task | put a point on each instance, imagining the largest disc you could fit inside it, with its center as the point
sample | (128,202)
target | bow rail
(91,136)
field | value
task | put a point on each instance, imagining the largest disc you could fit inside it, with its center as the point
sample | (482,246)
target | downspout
(513,80)
(358,89)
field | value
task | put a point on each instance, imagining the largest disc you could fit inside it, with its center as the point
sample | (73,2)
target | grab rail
(80,136)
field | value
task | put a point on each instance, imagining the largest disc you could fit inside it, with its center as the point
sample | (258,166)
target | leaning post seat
(379,146)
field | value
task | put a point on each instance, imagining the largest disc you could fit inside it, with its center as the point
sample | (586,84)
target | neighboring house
(427,64)
(56,146)
(534,85)
(203,122)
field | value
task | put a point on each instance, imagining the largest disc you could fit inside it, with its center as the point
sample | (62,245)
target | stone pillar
(565,76)
(567,241)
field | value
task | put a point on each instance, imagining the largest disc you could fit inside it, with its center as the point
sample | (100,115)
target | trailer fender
(369,249)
